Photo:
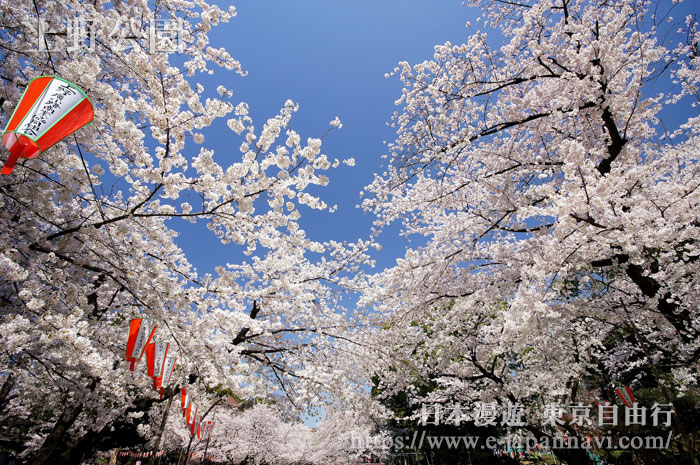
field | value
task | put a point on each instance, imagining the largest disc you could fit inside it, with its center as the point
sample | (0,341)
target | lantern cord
(12,159)
(38,17)
(92,187)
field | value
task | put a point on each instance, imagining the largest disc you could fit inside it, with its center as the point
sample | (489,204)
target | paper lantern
(156,353)
(141,331)
(50,110)
(626,396)
(186,413)
(195,424)
(184,398)
(191,418)
(207,429)
(187,407)
(202,429)
(168,370)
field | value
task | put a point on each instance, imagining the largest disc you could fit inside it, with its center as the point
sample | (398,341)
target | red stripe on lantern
(31,94)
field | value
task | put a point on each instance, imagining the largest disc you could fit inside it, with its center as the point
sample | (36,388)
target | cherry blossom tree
(89,229)
(556,216)
(262,435)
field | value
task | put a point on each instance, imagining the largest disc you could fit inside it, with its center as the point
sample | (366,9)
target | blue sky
(330,57)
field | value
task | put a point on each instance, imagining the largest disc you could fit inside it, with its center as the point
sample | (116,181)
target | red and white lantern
(626,396)
(168,370)
(191,418)
(141,331)
(184,399)
(207,429)
(194,427)
(187,412)
(156,353)
(50,110)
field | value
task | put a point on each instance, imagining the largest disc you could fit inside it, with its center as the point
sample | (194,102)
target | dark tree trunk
(48,452)
(6,388)
(124,435)
(58,448)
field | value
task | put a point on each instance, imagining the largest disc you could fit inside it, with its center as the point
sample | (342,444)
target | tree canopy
(557,218)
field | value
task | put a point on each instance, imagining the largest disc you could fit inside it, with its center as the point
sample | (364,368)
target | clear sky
(329,56)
